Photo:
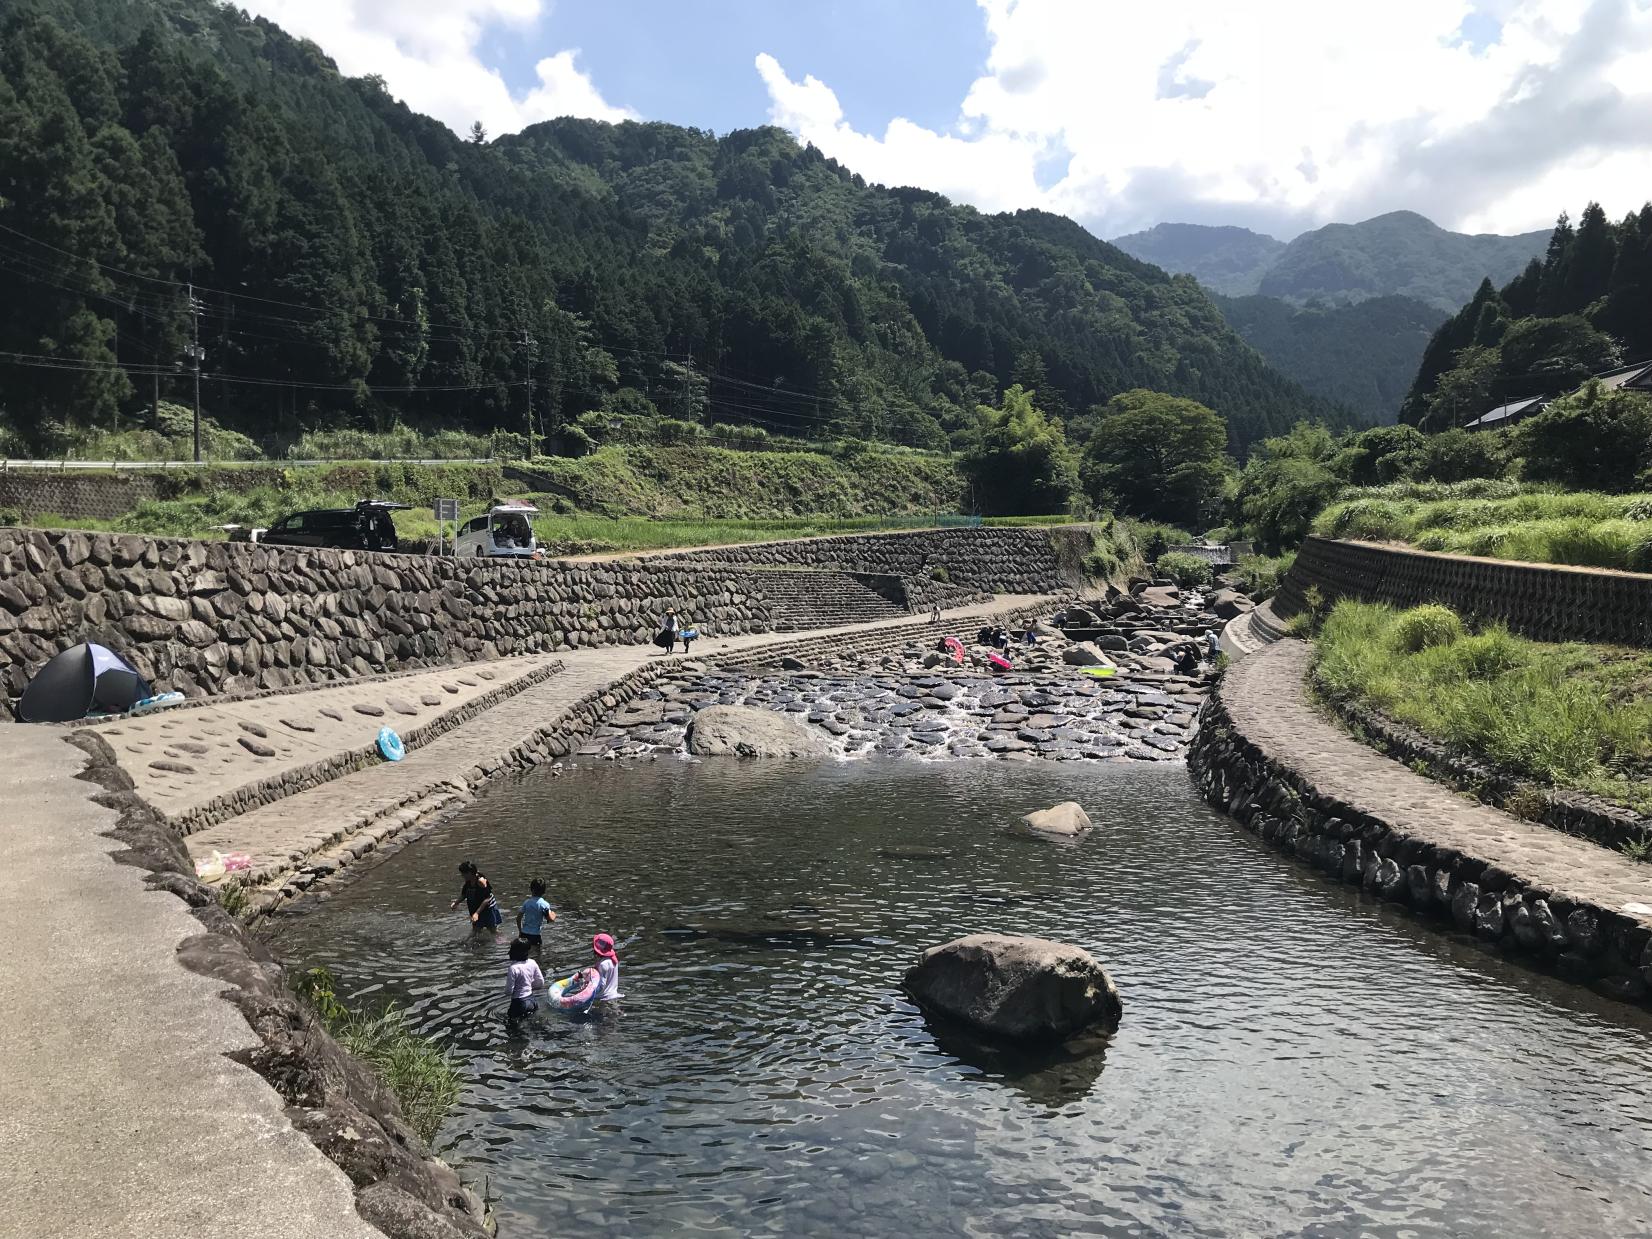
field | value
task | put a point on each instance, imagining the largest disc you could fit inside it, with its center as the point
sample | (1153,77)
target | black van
(365,527)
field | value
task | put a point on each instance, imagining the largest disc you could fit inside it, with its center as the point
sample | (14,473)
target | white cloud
(427,51)
(1281,114)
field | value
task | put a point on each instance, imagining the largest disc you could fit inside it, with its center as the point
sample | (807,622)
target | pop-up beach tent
(82,680)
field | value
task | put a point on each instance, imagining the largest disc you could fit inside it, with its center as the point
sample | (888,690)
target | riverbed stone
(1016,988)
(1066,819)
(745,731)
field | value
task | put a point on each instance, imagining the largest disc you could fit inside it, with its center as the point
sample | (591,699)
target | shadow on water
(1053,1076)
(1294,1058)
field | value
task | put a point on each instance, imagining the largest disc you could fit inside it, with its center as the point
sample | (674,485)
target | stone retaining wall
(90,495)
(1266,792)
(1547,602)
(211,617)
(987,559)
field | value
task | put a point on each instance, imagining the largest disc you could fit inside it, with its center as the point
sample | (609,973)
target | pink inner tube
(999,661)
(580,989)
(956,648)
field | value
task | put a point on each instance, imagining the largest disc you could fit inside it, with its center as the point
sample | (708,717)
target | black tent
(81,678)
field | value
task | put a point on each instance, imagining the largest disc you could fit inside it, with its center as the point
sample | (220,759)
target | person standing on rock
(532,917)
(478,899)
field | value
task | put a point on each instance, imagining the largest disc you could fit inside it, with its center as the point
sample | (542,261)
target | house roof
(1507,411)
(1638,375)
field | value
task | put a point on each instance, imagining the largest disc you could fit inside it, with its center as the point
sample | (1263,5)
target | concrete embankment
(1265,756)
(133,1103)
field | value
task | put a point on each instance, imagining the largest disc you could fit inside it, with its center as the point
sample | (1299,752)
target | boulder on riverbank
(1019,989)
(746,731)
(1067,819)
(1084,654)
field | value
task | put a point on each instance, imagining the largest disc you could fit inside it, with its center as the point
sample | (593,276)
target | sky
(1277,115)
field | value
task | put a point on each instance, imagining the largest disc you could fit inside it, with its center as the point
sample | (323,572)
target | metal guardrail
(66,466)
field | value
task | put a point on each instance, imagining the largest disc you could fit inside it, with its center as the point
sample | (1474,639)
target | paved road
(120,1114)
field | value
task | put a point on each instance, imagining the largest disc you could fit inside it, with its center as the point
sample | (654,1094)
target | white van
(503,531)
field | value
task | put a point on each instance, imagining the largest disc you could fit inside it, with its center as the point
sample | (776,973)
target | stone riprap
(1267,758)
(1547,602)
(1012,717)
(985,559)
(206,618)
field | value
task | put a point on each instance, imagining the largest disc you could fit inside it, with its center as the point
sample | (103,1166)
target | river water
(1294,1058)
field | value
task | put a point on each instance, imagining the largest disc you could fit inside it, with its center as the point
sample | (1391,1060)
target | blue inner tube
(390,745)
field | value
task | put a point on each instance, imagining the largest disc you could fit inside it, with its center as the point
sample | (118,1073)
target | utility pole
(530,345)
(196,354)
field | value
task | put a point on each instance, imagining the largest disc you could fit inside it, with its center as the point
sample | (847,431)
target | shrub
(1594,438)
(1259,575)
(421,1075)
(1188,571)
(1426,626)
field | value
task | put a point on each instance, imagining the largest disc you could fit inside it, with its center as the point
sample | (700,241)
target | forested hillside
(1225,259)
(1585,306)
(354,263)
(1363,355)
(1398,254)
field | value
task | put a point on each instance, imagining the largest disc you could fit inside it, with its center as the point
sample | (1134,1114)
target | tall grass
(1570,716)
(1538,526)
(420,1074)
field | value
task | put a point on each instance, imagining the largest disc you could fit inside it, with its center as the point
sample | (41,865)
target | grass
(1501,521)
(1259,575)
(1564,716)
(419,1073)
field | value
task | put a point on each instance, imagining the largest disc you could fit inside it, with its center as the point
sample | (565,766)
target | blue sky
(692,63)
(1278,115)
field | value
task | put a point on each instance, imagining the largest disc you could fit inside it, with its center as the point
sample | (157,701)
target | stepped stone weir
(800,600)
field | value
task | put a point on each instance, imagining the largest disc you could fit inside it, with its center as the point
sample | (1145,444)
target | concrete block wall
(90,495)
(1547,602)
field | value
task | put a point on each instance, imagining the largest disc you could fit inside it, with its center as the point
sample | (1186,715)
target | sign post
(446,510)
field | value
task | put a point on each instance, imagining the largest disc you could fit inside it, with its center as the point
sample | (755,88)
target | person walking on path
(533,916)
(935,613)
(670,626)
(522,978)
(477,896)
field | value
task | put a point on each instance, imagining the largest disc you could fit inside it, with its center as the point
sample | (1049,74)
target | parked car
(365,527)
(503,531)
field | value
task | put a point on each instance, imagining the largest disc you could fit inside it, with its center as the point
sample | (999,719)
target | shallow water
(1294,1059)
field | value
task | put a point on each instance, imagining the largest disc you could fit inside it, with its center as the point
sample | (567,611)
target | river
(1294,1058)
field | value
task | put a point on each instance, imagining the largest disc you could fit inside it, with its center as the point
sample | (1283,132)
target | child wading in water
(522,978)
(533,915)
(478,898)
(607,968)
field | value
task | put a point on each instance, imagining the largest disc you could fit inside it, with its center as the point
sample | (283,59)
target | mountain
(1582,308)
(1398,254)
(1226,260)
(1363,355)
(355,263)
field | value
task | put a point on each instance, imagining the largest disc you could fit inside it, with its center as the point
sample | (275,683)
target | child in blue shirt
(533,915)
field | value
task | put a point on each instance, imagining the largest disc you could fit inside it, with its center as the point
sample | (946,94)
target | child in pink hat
(607,968)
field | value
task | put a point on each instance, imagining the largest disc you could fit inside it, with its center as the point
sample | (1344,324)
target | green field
(1500,520)
(1566,716)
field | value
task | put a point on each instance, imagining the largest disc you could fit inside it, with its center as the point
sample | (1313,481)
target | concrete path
(119,1113)
(1267,698)
(341,819)
(184,759)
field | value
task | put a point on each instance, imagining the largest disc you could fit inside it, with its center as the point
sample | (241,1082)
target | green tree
(1020,463)
(1595,439)
(1284,484)
(1158,456)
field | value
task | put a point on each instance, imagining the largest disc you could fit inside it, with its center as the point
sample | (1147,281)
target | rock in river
(1066,818)
(1021,989)
(746,731)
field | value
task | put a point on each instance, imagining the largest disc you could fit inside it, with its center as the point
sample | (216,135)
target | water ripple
(1294,1059)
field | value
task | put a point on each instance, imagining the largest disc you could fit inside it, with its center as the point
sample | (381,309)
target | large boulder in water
(1066,818)
(746,731)
(1020,989)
